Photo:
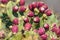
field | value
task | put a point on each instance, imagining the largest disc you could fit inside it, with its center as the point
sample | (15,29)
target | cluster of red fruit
(40,5)
(41,31)
(42,8)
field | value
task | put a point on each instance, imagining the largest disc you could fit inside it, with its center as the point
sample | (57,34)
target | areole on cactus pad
(32,22)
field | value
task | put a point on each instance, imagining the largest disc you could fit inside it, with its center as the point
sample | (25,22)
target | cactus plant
(19,22)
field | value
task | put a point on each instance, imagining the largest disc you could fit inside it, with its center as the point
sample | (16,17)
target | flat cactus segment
(9,9)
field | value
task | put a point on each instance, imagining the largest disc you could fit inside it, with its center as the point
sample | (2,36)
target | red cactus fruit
(41,31)
(54,29)
(15,9)
(46,26)
(16,21)
(54,25)
(22,9)
(27,26)
(34,4)
(22,2)
(48,12)
(43,8)
(30,14)
(14,29)
(26,19)
(36,19)
(57,32)
(39,4)
(30,7)
(4,1)
(44,37)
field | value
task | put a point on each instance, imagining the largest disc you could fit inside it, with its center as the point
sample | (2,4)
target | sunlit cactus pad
(32,22)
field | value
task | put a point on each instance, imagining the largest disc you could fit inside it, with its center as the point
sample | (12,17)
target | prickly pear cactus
(32,22)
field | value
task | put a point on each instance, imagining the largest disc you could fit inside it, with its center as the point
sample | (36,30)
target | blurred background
(53,4)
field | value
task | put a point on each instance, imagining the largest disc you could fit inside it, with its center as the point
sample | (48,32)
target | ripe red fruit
(30,14)
(48,12)
(34,4)
(15,21)
(53,39)
(26,19)
(54,29)
(22,2)
(30,7)
(41,31)
(22,8)
(57,32)
(44,36)
(14,29)
(27,26)
(36,19)
(54,25)
(46,26)
(4,1)
(43,8)
(15,9)
(39,4)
